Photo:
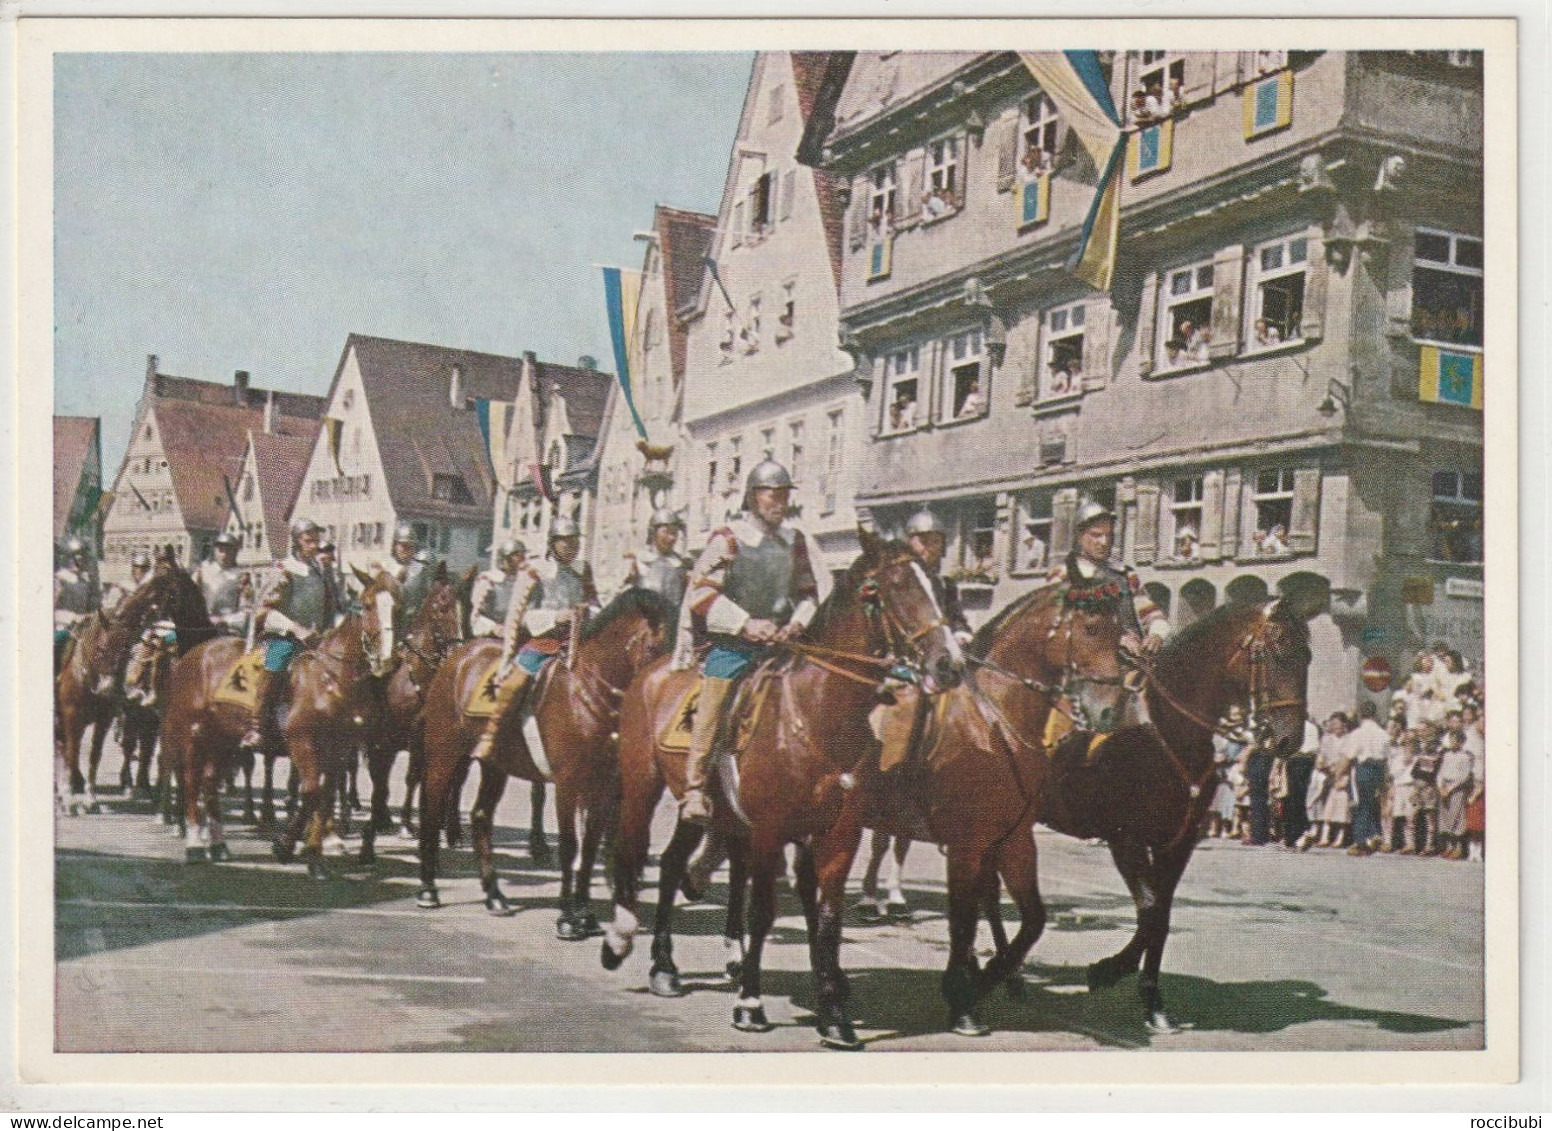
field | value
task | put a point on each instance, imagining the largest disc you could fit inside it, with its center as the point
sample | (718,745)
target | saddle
(738,722)
(485,701)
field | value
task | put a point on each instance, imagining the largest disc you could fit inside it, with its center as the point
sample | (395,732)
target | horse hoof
(967,1025)
(428,899)
(196,855)
(1014,988)
(367,855)
(283,852)
(540,854)
(868,912)
(735,969)
(407,833)
(497,904)
(588,924)
(608,959)
(839,1035)
(316,870)
(665,983)
(219,852)
(751,1019)
(1161,1024)
(568,929)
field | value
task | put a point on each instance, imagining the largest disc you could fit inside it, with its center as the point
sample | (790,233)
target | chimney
(240,387)
(587,361)
(455,387)
(531,370)
(152,361)
(269,412)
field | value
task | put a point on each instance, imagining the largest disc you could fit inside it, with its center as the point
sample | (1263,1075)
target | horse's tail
(725,766)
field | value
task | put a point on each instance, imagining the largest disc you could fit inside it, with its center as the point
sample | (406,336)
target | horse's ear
(872,544)
(362,576)
(168,556)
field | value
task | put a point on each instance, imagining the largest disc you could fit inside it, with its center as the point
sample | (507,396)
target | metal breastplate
(561,590)
(498,598)
(760,580)
(222,589)
(75,593)
(665,576)
(307,600)
(417,583)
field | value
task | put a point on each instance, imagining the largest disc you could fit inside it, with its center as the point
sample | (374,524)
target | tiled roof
(281,463)
(684,241)
(75,443)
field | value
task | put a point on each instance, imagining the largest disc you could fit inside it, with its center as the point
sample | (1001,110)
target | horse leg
(246,760)
(214,834)
(596,819)
(830,860)
(639,797)
(148,744)
(129,738)
(452,817)
(991,911)
(566,815)
(1168,865)
(482,824)
(749,1013)
(413,773)
(379,766)
(1017,861)
(738,893)
(896,903)
(664,978)
(436,784)
(872,908)
(99,736)
(1132,861)
(538,847)
(961,979)
(194,761)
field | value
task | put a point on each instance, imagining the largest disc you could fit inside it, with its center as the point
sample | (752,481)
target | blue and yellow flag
(495,420)
(1446,376)
(1075,82)
(622,293)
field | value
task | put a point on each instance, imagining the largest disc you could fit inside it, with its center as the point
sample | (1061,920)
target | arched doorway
(1198,597)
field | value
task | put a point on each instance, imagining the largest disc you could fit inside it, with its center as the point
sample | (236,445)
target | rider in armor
(225,587)
(752,586)
(492,594)
(75,591)
(546,601)
(413,570)
(139,569)
(661,568)
(297,607)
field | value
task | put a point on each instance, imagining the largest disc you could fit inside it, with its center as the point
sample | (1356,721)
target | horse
(575,709)
(334,693)
(1148,789)
(142,718)
(88,691)
(803,738)
(437,629)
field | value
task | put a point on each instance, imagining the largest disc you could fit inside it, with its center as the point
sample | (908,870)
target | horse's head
(1067,644)
(439,624)
(379,599)
(176,594)
(633,627)
(895,591)
(1270,671)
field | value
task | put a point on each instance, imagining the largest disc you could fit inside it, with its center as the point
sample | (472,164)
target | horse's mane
(841,595)
(981,642)
(1188,640)
(650,604)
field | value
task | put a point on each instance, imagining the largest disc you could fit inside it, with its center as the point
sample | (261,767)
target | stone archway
(1247,588)
(1198,597)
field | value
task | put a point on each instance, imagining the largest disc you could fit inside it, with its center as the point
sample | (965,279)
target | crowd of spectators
(1414,785)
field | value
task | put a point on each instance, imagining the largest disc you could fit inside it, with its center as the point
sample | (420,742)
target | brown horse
(802,747)
(973,789)
(89,688)
(334,694)
(576,712)
(1148,789)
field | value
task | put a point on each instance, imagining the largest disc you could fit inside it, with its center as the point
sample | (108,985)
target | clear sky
(233,212)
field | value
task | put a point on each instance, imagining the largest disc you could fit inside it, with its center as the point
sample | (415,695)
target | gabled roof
(819,78)
(684,241)
(75,446)
(280,464)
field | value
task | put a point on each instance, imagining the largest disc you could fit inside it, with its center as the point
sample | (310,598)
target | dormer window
(450,489)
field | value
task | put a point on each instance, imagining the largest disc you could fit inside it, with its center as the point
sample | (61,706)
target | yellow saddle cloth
(747,703)
(241,685)
(482,704)
(675,735)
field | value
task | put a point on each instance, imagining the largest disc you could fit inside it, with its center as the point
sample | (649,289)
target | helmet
(225,539)
(405,532)
(1090,512)
(767,473)
(665,516)
(75,546)
(565,528)
(301,526)
(140,560)
(327,547)
(923,522)
(509,547)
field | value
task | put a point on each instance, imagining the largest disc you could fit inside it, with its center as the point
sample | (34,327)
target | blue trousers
(1369,776)
(279,653)
(730,660)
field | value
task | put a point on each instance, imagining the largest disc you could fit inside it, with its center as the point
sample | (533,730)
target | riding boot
(694,806)
(258,721)
(510,692)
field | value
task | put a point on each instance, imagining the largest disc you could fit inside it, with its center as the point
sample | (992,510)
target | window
(902,389)
(943,181)
(778,97)
(247,492)
(1161,77)
(1277,298)
(1273,503)
(1455,519)
(555,462)
(760,204)
(1038,140)
(1184,330)
(795,454)
(649,332)
(735,471)
(1447,288)
(881,200)
(789,188)
(1033,551)
(964,376)
(749,336)
(789,311)
(347,399)
(450,489)
(150,433)
(1062,372)
(976,551)
(768,443)
(1186,517)
(834,433)
(729,337)
(1269,61)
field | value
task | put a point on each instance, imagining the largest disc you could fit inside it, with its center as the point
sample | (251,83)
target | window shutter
(1029,377)
(1231,511)
(1398,283)
(914,184)
(1212,516)
(1003,537)
(1147,521)
(1312,327)
(1064,508)
(738,223)
(1147,322)
(788,189)
(1201,72)
(857,224)
(1097,321)
(1005,140)
(1306,510)
(1230,65)
(1228,281)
